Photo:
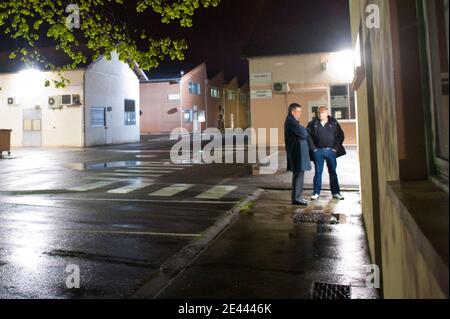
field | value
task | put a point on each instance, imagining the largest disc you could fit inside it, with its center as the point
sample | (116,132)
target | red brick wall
(231,107)
(197,75)
(160,115)
(158,112)
(214,103)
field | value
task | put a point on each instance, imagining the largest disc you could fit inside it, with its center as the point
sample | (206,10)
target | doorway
(32,128)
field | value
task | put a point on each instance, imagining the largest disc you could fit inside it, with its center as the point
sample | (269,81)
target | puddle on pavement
(102,165)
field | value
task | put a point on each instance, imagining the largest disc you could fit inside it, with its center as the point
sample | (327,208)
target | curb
(175,265)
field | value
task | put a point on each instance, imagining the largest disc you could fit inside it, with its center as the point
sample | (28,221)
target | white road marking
(143,171)
(171,190)
(145,156)
(169,164)
(92,186)
(129,188)
(217,192)
(30,179)
(138,168)
(41,202)
(114,232)
(129,175)
(131,179)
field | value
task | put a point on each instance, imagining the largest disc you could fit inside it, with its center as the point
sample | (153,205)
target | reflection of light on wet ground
(102,165)
(29,200)
(350,240)
(26,251)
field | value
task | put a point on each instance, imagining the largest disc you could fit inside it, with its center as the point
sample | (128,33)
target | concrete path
(265,254)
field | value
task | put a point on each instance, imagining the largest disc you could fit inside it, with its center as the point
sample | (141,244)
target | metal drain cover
(314,217)
(330,291)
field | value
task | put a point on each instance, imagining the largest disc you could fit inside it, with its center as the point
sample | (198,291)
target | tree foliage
(100,32)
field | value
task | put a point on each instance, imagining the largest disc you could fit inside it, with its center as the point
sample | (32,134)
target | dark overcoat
(297,148)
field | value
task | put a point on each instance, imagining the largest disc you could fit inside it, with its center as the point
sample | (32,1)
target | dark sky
(220,34)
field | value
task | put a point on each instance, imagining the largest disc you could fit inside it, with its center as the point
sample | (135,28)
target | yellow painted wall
(308,82)
(407,273)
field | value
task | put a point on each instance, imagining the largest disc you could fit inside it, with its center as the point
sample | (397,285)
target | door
(32,128)
(108,125)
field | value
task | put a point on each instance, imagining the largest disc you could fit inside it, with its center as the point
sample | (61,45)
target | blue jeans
(320,157)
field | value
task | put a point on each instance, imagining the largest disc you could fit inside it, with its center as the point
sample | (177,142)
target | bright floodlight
(342,64)
(31,81)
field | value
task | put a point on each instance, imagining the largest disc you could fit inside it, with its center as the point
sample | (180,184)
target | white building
(100,106)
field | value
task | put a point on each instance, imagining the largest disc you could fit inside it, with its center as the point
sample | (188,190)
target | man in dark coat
(297,150)
(326,139)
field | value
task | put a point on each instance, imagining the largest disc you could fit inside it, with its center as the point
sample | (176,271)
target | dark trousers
(320,157)
(297,185)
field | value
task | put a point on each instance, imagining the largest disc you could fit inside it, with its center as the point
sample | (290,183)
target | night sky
(220,34)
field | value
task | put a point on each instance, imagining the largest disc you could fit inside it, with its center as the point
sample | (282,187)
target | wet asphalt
(102,211)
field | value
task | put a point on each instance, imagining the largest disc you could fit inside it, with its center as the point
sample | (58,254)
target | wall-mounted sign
(261,77)
(340,101)
(261,94)
(174,97)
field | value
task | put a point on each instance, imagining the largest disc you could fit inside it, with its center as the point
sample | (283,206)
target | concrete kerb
(175,266)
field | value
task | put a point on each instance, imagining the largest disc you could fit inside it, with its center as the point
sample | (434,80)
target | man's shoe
(338,197)
(300,203)
(315,197)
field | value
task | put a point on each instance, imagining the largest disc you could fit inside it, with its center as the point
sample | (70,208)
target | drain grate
(314,217)
(330,291)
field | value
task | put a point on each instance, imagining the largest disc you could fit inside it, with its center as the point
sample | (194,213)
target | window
(215,92)
(231,95)
(194,88)
(243,98)
(201,117)
(130,112)
(187,116)
(437,37)
(313,107)
(342,102)
(98,117)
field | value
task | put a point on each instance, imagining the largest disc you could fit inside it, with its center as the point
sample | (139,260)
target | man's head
(323,113)
(295,110)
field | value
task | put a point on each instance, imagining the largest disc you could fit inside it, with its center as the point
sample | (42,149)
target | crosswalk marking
(137,168)
(217,192)
(129,188)
(143,171)
(130,175)
(27,180)
(92,186)
(168,164)
(171,190)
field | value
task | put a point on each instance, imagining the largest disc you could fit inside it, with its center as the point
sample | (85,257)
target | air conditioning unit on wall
(281,87)
(70,99)
(54,102)
(12,101)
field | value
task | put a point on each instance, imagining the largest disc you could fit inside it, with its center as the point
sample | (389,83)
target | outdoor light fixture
(342,63)
(31,81)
